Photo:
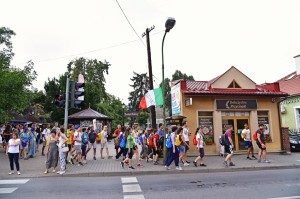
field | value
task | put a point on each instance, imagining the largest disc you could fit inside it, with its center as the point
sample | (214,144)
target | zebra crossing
(131,188)
(9,190)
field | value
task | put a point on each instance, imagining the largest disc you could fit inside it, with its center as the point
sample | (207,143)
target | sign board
(239,104)
(132,114)
(188,102)
(175,99)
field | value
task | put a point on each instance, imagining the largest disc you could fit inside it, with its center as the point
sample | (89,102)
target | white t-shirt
(13,148)
(77,136)
(201,143)
(248,134)
(186,134)
(47,133)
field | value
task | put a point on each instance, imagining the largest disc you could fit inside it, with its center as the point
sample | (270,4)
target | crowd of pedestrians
(22,141)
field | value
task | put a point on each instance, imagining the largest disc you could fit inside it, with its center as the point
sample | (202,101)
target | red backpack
(195,142)
(254,135)
(151,141)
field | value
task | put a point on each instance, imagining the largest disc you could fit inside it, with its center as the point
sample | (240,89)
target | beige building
(229,99)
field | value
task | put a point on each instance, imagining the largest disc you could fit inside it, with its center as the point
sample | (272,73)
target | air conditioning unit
(282,108)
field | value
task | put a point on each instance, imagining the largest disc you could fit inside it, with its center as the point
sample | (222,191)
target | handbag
(65,149)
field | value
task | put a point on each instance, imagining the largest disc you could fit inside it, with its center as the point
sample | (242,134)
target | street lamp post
(170,23)
(123,107)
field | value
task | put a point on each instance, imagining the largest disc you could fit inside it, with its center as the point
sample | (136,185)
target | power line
(130,23)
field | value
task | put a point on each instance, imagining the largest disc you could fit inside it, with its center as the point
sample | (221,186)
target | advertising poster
(175,99)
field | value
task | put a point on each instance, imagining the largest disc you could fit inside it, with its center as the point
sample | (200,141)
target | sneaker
(26,158)
(225,164)
(167,168)
(18,172)
(131,167)
(122,164)
(10,173)
(182,162)
(248,158)
(254,158)
(202,165)
(94,158)
(231,164)
(58,172)
(71,161)
(62,172)
(195,163)
(266,161)
(179,168)
(186,164)
(259,161)
(155,163)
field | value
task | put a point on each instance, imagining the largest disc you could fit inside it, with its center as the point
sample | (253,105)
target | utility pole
(152,108)
(67,104)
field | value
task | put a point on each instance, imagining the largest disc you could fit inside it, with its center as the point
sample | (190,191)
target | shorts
(187,147)
(182,148)
(201,151)
(78,149)
(70,147)
(248,144)
(154,151)
(104,145)
(130,154)
(259,145)
(228,149)
(83,148)
(92,145)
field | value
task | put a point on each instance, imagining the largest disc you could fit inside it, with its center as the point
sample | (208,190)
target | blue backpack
(169,142)
(122,141)
(141,142)
(25,138)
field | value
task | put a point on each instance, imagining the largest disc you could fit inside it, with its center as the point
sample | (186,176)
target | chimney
(297,60)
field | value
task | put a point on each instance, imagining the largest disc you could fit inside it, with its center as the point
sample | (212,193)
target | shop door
(238,126)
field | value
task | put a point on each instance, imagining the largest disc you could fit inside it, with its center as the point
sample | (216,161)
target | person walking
(261,143)
(32,143)
(52,152)
(25,143)
(186,135)
(12,150)
(228,146)
(182,147)
(62,140)
(77,146)
(246,133)
(129,147)
(153,143)
(173,151)
(92,141)
(70,132)
(116,138)
(200,147)
(122,138)
(103,143)
(84,144)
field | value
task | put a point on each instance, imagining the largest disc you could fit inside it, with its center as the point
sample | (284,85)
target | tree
(94,73)
(179,75)
(140,87)
(15,82)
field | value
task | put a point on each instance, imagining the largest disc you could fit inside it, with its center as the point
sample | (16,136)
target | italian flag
(152,98)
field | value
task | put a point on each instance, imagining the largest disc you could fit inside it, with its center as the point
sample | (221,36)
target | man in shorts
(103,142)
(228,146)
(92,141)
(248,142)
(261,143)
(116,138)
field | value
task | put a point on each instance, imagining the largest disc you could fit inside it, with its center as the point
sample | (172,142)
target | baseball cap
(77,126)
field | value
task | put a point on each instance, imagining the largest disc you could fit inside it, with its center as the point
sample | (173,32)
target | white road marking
(134,197)
(289,197)
(14,181)
(129,180)
(290,185)
(132,188)
(7,190)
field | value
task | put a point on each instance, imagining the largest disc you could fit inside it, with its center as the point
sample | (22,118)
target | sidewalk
(35,167)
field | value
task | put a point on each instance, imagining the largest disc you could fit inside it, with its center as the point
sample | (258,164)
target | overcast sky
(258,37)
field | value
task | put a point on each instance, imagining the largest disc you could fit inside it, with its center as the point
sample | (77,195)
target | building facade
(229,99)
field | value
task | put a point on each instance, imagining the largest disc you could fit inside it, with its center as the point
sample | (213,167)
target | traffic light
(77,94)
(59,101)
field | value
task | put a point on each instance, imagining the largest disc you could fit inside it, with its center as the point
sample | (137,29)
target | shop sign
(244,104)
(132,114)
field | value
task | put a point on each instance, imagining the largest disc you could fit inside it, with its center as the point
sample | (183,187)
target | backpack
(92,137)
(141,142)
(84,140)
(254,135)
(223,139)
(195,142)
(151,142)
(122,141)
(177,141)
(169,142)
(73,139)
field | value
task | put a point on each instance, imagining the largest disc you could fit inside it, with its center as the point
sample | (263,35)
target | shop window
(205,121)
(263,118)
(233,84)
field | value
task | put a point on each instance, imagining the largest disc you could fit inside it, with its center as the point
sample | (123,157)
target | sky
(260,38)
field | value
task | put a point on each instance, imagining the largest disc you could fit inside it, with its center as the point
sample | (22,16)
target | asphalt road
(226,185)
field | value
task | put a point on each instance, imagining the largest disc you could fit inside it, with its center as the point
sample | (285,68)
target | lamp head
(170,23)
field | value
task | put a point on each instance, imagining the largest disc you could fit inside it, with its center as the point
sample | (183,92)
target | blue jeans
(173,156)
